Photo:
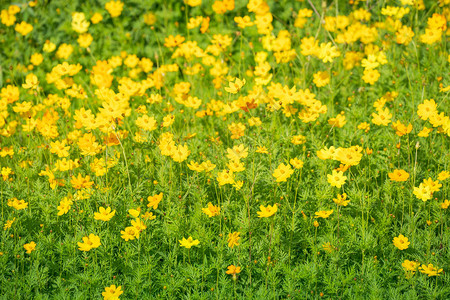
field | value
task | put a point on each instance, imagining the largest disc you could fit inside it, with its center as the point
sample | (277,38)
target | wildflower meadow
(224,149)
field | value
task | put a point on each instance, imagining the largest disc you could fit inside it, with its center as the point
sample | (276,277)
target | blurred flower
(189,242)
(430,270)
(211,210)
(283,172)
(153,201)
(30,247)
(233,239)
(114,8)
(399,175)
(323,214)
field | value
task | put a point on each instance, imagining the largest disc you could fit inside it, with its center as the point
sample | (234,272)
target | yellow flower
(85,40)
(112,292)
(149,18)
(237,152)
(383,117)
(364,126)
(138,224)
(79,23)
(64,51)
(283,172)
(296,163)
(153,201)
(90,242)
(445,204)
(401,129)
(262,150)
(321,78)
(443,175)
(298,139)
(323,214)
(433,185)
(130,233)
(233,239)
(189,242)
(49,46)
(64,206)
(349,156)
(148,216)
(425,132)
(401,242)
(341,200)
(232,270)
(399,175)
(30,247)
(104,214)
(235,87)
(225,177)
(31,82)
(59,148)
(114,8)
(81,182)
(9,223)
(134,212)
(409,265)
(423,192)
(337,178)
(6,171)
(267,211)
(327,52)
(243,22)
(193,3)
(430,270)
(17,204)
(24,28)
(146,122)
(96,18)
(404,35)
(36,59)
(371,76)
(211,210)
(181,153)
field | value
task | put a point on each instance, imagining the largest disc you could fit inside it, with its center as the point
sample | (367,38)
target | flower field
(225,149)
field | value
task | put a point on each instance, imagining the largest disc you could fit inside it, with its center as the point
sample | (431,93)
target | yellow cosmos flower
(233,239)
(267,211)
(337,178)
(112,292)
(30,247)
(401,242)
(211,210)
(283,172)
(189,242)
(235,87)
(399,175)
(153,201)
(233,270)
(89,242)
(323,214)
(430,270)
(104,214)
